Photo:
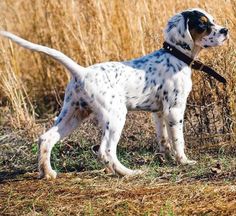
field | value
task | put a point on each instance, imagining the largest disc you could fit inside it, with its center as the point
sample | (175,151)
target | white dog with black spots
(158,82)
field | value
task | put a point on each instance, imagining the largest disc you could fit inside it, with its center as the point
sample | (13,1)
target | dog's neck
(189,49)
(195,51)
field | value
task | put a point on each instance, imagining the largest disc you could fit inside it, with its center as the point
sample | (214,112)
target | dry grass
(89,32)
(14,90)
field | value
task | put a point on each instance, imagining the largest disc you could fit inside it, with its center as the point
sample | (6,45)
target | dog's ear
(177,33)
(186,15)
(188,20)
(195,20)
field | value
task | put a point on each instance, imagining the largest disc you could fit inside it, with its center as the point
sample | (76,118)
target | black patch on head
(196,20)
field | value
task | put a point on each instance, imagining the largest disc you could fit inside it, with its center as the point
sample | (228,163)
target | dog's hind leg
(68,120)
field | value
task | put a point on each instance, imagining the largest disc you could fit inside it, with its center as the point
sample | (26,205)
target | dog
(158,82)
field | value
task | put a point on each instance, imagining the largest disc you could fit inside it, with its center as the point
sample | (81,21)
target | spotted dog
(158,82)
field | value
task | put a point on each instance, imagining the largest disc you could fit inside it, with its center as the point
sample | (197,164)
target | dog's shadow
(16,175)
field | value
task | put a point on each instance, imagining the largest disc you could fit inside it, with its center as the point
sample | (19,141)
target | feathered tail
(75,69)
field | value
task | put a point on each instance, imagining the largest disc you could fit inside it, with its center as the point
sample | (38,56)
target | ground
(83,188)
(205,189)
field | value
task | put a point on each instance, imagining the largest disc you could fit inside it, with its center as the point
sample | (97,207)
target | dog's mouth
(223,40)
(226,38)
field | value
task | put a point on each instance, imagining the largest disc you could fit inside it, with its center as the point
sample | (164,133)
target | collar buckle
(197,65)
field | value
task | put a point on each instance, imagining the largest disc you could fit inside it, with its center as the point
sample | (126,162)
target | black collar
(197,65)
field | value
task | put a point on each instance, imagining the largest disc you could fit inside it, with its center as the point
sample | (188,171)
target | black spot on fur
(107,125)
(160,87)
(144,89)
(139,62)
(64,112)
(68,97)
(158,61)
(82,103)
(58,121)
(179,67)
(183,45)
(154,82)
(171,124)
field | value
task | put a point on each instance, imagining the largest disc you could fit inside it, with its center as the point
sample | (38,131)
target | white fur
(158,82)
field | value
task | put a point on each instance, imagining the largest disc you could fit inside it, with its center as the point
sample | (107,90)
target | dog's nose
(224,31)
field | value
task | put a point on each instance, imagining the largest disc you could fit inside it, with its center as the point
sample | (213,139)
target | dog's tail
(75,69)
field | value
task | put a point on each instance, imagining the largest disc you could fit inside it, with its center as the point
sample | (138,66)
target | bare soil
(97,193)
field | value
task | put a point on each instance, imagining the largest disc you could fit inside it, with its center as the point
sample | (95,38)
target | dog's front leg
(162,135)
(174,120)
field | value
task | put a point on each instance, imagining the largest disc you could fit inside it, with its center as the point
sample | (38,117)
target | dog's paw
(191,162)
(49,175)
(188,162)
(137,172)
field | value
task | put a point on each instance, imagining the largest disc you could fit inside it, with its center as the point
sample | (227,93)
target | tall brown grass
(94,31)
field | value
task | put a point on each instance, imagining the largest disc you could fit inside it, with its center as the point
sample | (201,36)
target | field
(31,94)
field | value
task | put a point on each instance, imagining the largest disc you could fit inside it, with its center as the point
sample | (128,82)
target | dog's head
(194,27)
